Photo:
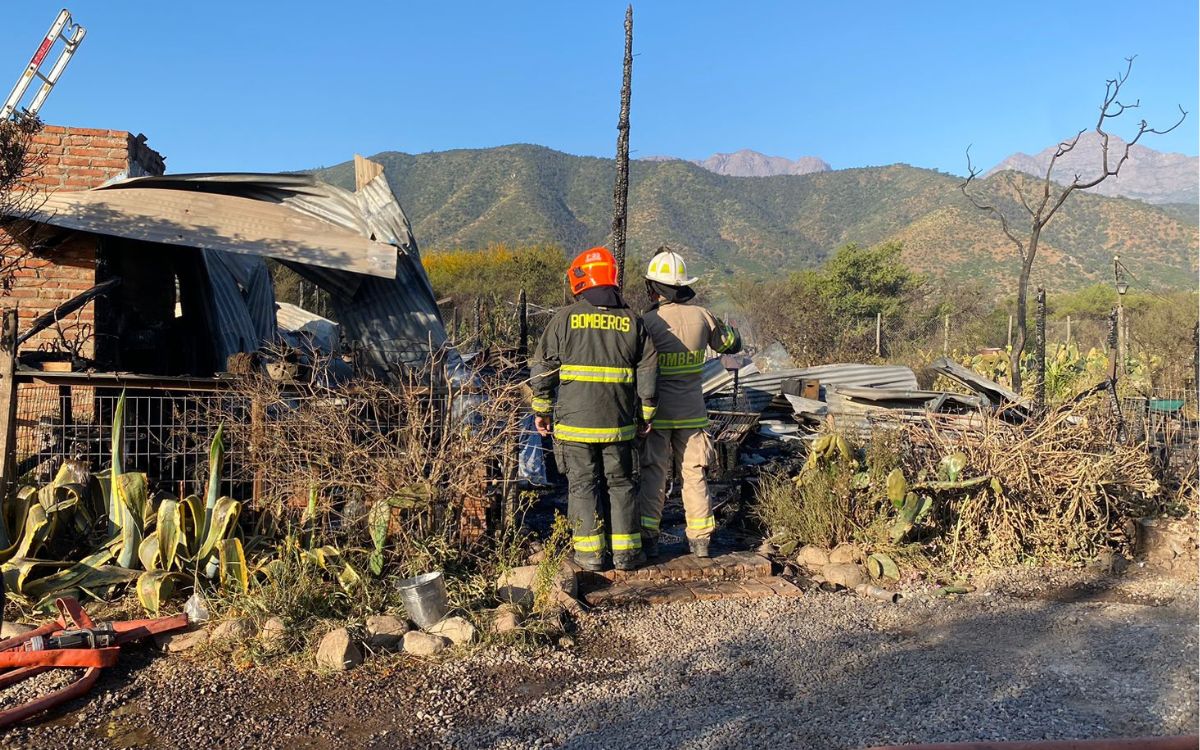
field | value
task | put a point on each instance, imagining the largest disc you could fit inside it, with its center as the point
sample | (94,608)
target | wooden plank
(8,400)
(218,222)
(365,170)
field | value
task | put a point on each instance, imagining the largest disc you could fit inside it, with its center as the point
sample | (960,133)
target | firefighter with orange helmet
(593,380)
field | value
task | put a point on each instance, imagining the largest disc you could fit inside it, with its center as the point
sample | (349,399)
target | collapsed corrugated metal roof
(170,214)
(358,246)
(757,390)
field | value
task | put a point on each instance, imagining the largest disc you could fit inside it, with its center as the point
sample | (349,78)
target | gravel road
(1031,655)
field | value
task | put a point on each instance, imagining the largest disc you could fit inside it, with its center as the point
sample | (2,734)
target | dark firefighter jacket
(591,369)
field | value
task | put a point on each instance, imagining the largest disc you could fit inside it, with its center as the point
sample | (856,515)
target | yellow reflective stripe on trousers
(541,405)
(593,434)
(595,374)
(593,543)
(699,524)
(680,424)
(625,542)
(681,369)
(650,523)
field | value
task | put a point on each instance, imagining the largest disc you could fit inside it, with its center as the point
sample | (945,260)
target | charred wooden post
(1039,394)
(621,188)
(1114,403)
(8,399)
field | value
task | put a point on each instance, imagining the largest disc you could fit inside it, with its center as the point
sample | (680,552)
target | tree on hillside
(1039,206)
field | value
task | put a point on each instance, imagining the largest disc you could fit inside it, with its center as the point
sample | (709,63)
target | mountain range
(1148,175)
(747,163)
(522,194)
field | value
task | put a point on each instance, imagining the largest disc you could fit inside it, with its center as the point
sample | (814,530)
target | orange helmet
(595,267)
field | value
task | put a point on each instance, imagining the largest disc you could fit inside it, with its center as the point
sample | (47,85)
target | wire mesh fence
(166,433)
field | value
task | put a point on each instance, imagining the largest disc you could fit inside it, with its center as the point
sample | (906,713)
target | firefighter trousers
(684,452)
(601,502)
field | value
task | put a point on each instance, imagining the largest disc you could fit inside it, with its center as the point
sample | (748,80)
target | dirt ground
(1030,655)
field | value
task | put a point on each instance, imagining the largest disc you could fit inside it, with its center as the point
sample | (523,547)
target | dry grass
(1059,490)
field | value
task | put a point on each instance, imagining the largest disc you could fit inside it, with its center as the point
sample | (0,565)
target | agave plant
(88,534)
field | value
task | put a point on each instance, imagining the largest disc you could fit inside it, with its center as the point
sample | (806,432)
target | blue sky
(274,86)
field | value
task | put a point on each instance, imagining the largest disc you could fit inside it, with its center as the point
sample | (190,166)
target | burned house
(183,258)
(144,283)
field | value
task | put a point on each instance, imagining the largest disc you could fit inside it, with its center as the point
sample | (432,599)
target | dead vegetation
(1056,490)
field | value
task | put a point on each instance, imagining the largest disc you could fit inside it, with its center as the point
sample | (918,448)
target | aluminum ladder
(71,34)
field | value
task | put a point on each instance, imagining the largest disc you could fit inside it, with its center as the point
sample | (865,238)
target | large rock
(844,574)
(812,557)
(238,630)
(424,644)
(517,586)
(13,629)
(274,633)
(338,651)
(457,629)
(1168,544)
(183,640)
(846,553)
(385,632)
(506,620)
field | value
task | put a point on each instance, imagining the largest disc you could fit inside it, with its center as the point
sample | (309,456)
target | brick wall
(74,159)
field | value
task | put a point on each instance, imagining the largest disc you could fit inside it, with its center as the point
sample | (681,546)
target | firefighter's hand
(644,429)
(543,425)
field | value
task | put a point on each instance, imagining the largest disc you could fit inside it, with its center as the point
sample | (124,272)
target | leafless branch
(972,173)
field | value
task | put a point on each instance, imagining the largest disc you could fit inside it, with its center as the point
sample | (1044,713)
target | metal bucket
(424,598)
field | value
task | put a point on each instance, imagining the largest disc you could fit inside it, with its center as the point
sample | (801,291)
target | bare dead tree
(621,188)
(20,195)
(1041,204)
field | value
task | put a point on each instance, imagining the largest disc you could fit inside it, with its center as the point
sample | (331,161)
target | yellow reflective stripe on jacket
(595,374)
(699,524)
(680,424)
(541,405)
(625,542)
(574,434)
(593,543)
(648,412)
(728,339)
(650,523)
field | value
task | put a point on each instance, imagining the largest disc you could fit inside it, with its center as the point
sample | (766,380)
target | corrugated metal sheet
(241,300)
(756,391)
(295,320)
(215,222)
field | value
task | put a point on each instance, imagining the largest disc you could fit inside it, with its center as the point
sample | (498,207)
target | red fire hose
(1140,743)
(73,641)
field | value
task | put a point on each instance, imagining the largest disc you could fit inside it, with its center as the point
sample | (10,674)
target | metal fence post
(523,324)
(878,334)
(1068,330)
(946,336)
(1009,344)
(478,322)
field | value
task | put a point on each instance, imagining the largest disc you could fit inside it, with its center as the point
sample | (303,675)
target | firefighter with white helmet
(682,333)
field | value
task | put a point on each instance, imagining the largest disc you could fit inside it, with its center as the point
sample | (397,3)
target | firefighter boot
(699,547)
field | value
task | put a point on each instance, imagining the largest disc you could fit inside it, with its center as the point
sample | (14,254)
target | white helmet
(668,268)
